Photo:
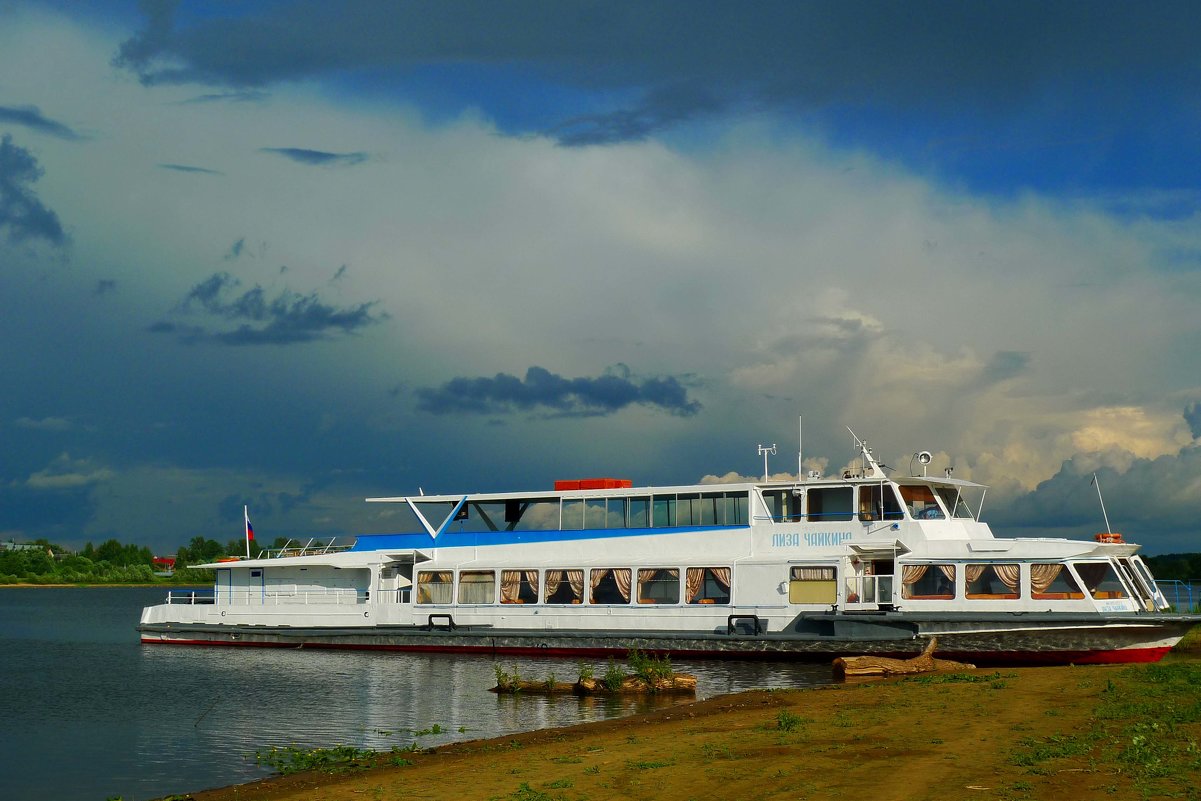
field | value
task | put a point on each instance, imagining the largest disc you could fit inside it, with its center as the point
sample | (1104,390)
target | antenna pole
(764,452)
(800,449)
(1097,483)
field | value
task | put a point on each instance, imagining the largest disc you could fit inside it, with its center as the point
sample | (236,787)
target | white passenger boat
(858,563)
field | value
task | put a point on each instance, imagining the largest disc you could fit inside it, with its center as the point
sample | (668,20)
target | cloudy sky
(292,254)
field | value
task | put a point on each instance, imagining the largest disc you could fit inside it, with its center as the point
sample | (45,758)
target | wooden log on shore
(630,685)
(861,666)
(635,685)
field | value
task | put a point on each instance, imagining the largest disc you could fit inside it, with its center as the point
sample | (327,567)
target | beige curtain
(912,574)
(531,578)
(948,571)
(624,577)
(1010,576)
(553,577)
(813,574)
(596,577)
(721,575)
(694,581)
(1043,576)
(576,579)
(973,572)
(510,586)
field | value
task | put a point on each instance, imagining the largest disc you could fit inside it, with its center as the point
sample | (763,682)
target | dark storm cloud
(605,394)
(1152,503)
(227,97)
(288,318)
(22,216)
(1192,416)
(316,158)
(104,286)
(31,117)
(769,54)
(190,168)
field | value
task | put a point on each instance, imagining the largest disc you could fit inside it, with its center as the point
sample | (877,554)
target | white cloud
(67,473)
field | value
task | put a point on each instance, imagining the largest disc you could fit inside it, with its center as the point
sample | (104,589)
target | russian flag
(249,528)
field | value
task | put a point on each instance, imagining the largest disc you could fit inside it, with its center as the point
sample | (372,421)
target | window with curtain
(1100,579)
(933,582)
(519,586)
(564,587)
(477,586)
(609,585)
(658,585)
(1052,582)
(988,582)
(812,584)
(434,586)
(707,585)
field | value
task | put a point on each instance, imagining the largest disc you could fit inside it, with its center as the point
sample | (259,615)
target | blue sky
(293,254)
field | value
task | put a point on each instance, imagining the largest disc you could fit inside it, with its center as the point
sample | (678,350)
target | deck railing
(312,547)
(256,596)
(1182,595)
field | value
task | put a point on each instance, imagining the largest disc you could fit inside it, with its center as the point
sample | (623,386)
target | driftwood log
(631,685)
(857,666)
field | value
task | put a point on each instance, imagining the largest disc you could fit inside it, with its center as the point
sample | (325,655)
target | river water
(87,712)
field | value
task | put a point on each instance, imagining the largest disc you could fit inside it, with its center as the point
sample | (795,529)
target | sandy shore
(1060,733)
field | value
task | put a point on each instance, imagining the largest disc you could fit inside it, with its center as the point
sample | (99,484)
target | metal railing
(259,597)
(1182,595)
(313,547)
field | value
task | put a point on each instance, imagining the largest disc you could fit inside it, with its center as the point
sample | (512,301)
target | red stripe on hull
(987,659)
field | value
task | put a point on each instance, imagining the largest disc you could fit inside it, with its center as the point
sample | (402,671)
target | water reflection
(118,718)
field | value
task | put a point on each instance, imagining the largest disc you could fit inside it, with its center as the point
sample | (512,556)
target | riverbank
(1067,733)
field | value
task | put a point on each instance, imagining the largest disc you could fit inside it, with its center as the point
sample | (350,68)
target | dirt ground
(1060,733)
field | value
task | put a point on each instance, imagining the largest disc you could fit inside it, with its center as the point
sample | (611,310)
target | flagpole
(246,531)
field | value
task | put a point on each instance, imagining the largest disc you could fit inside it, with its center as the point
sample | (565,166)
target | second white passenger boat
(858,563)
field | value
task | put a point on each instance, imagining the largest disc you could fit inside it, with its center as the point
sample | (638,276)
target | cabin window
(1050,582)
(519,586)
(572,515)
(992,582)
(616,516)
(831,503)
(921,502)
(812,585)
(953,500)
(664,511)
(1101,580)
(594,513)
(928,582)
(708,585)
(434,586)
(658,585)
(640,512)
(477,586)
(735,505)
(564,587)
(783,505)
(878,502)
(609,585)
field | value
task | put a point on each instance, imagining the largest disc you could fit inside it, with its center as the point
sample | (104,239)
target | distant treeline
(112,562)
(1178,566)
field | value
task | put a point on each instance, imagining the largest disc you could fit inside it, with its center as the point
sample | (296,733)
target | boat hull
(982,642)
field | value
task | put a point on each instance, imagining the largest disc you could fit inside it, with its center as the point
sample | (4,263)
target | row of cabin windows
(867,502)
(602,586)
(1001,582)
(575,514)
